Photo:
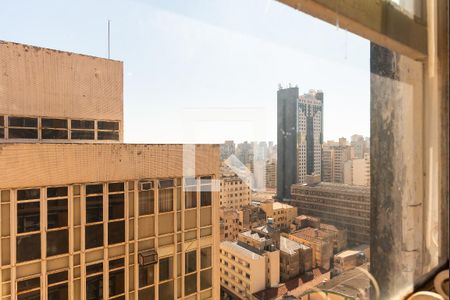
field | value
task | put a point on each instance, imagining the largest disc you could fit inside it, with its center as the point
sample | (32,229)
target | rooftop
(239,250)
(279,205)
(334,187)
(290,246)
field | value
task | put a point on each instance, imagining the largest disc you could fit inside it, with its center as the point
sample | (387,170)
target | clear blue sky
(190,62)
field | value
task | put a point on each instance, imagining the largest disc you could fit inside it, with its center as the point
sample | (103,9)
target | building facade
(89,217)
(234,192)
(342,205)
(295,259)
(271,174)
(299,136)
(229,224)
(282,214)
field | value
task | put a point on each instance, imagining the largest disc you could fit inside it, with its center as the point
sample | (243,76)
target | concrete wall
(43,82)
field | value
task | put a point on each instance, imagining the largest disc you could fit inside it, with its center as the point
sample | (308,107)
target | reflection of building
(251,264)
(94,218)
(229,224)
(234,193)
(299,120)
(344,206)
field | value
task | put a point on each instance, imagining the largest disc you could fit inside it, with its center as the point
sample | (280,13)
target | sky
(205,71)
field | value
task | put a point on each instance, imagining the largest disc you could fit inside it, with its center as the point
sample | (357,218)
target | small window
(95,268)
(205,279)
(22,128)
(28,216)
(116,232)
(94,189)
(108,135)
(57,277)
(146,275)
(108,130)
(106,125)
(82,135)
(116,187)
(94,236)
(25,243)
(147,294)
(205,198)
(94,287)
(29,289)
(191,262)
(28,194)
(165,197)
(166,290)
(116,282)
(94,209)
(55,192)
(57,242)
(146,202)
(82,124)
(116,206)
(58,292)
(116,263)
(56,213)
(165,268)
(190,284)
(2,127)
(190,199)
(54,123)
(205,257)
(53,134)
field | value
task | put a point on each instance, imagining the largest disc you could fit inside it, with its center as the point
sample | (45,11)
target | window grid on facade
(72,210)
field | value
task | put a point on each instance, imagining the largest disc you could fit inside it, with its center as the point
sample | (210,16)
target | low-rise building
(271,174)
(251,216)
(229,224)
(348,259)
(321,243)
(251,264)
(282,214)
(342,205)
(295,259)
(234,192)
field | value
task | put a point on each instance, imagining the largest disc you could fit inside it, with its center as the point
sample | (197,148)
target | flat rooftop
(334,187)
(290,246)
(234,248)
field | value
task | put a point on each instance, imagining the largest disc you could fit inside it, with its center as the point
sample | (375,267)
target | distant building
(251,264)
(345,206)
(300,137)
(227,149)
(229,224)
(321,243)
(271,174)
(360,145)
(282,214)
(361,170)
(348,259)
(234,192)
(295,259)
(251,216)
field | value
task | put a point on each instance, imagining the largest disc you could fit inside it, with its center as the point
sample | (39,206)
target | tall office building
(84,216)
(300,137)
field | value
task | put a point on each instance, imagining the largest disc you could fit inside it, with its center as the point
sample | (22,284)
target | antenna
(109,39)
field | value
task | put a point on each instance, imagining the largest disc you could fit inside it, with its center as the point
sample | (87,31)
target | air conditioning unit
(148,257)
(145,185)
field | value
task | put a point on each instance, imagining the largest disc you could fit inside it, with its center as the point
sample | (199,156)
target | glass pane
(94,236)
(205,279)
(82,135)
(19,133)
(146,275)
(58,292)
(190,199)
(94,209)
(27,242)
(22,122)
(57,213)
(94,189)
(94,287)
(166,290)
(28,284)
(190,262)
(165,200)
(116,232)
(95,268)
(205,198)
(147,294)
(36,295)
(116,282)
(105,125)
(57,277)
(108,135)
(116,206)
(28,217)
(28,194)
(57,192)
(82,124)
(205,256)
(116,187)
(57,242)
(54,123)
(165,268)
(52,134)
(190,284)
(146,202)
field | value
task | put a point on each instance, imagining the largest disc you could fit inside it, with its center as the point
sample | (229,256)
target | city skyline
(200,56)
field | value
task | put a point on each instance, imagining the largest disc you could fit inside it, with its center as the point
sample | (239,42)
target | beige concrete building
(335,154)
(251,216)
(295,259)
(249,265)
(345,206)
(93,218)
(357,171)
(229,224)
(348,259)
(271,174)
(321,243)
(282,214)
(234,193)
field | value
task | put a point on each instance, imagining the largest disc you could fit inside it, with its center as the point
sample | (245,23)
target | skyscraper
(300,137)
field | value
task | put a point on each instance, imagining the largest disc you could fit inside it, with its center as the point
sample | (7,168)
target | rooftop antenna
(109,39)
